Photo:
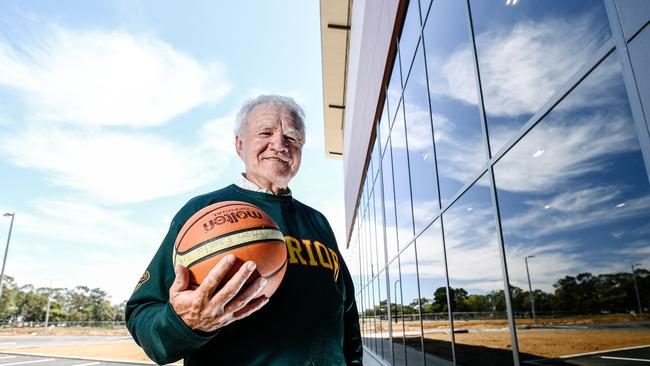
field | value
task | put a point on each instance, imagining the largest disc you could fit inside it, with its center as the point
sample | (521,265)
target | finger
(250,308)
(234,285)
(215,276)
(182,280)
(244,297)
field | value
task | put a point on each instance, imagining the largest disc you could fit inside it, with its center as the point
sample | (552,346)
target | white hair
(279,100)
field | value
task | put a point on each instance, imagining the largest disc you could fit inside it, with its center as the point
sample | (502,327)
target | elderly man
(311,319)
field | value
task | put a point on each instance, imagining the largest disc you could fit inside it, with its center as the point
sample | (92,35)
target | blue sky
(114,113)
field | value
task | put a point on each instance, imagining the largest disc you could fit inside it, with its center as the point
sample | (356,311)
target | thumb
(181,281)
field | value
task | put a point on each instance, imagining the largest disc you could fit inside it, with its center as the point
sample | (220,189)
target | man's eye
(291,139)
(265,133)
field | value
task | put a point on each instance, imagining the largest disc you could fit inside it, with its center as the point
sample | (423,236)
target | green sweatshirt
(311,319)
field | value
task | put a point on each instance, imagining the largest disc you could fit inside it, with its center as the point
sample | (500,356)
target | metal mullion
(450,314)
(398,60)
(379,265)
(408,167)
(435,162)
(383,217)
(392,172)
(433,132)
(439,216)
(401,299)
(486,137)
(374,315)
(641,124)
(417,276)
(408,74)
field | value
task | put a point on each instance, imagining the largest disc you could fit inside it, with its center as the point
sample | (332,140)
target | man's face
(270,146)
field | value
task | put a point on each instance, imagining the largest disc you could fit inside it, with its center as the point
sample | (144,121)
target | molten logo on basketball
(231,217)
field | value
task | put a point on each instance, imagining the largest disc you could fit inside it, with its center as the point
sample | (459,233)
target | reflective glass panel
(372,234)
(420,145)
(366,248)
(397,313)
(476,288)
(368,316)
(375,313)
(376,160)
(394,90)
(379,228)
(389,203)
(460,146)
(362,314)
(410,36)
(383,312)
(527,50)
(433,279)
(424,8)
(402,180)
(409,344)
(575,208)
(384,128)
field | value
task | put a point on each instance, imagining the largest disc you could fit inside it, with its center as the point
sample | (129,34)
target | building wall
(508,154)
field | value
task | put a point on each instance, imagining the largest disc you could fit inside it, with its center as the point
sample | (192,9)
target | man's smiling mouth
(277,159)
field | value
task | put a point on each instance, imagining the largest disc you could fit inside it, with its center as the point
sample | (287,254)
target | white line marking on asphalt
(625,358)
(6,357)
(25,362)
(89,364)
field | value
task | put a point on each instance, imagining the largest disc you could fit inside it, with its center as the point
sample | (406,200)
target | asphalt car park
(11,359)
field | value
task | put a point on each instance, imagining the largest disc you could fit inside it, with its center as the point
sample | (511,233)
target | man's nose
(279,142)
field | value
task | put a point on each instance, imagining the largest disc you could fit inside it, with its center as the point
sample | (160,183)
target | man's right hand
(205,309)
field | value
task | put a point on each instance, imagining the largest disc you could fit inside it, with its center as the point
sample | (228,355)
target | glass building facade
(504,214)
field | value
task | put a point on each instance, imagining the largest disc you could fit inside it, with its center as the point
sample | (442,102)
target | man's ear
(239,146)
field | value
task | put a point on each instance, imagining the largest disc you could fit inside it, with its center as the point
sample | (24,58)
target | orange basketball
(233,227)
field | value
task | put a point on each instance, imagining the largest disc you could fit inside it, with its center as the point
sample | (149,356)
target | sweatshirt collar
(243,182)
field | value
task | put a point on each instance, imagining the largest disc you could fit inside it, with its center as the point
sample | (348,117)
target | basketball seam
(216,208)
(277,270)
(270,241)
(203,243)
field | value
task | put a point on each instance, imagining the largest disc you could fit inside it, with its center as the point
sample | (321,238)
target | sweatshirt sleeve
(352,345)
(150,318)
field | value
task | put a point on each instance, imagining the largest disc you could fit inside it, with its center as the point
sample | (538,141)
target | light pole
(530,289)
(395,290)
(4,261)
(636,288)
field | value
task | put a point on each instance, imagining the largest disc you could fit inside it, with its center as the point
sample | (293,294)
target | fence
(66,324)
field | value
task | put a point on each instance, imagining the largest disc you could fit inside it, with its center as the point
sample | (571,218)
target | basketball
(232,227)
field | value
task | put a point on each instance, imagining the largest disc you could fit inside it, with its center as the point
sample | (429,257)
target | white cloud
(571,148)
(95,77)
(522,65)
(574,209)
(218,134)
(114,167)
(81,223)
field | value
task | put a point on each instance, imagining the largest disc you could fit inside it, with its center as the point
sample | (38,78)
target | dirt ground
(491,340)
(550,344)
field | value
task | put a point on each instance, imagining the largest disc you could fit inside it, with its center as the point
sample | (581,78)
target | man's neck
(267,185)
